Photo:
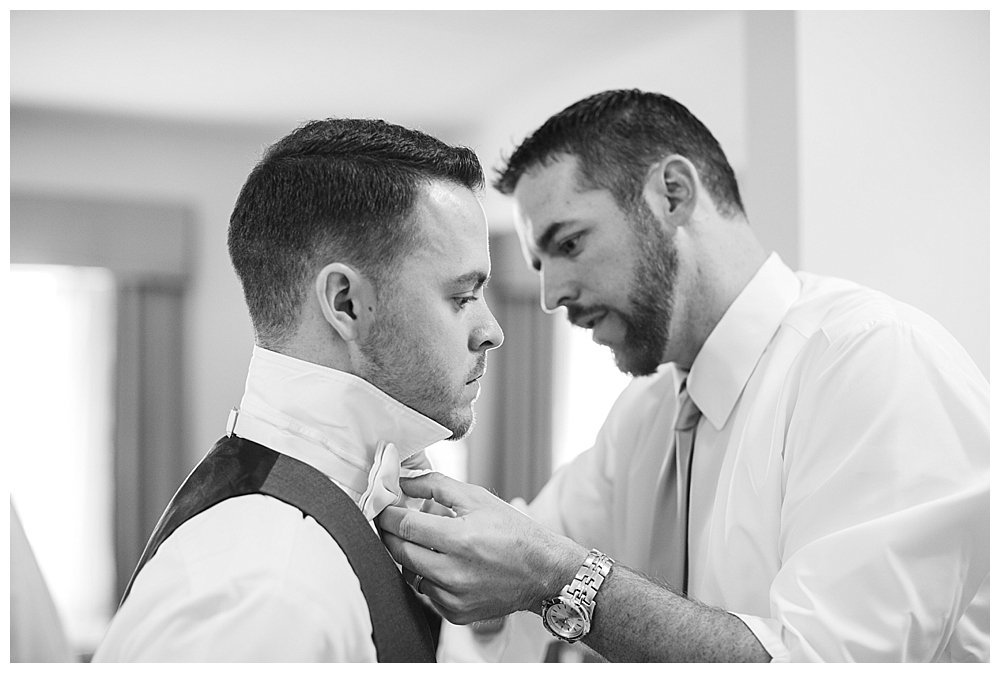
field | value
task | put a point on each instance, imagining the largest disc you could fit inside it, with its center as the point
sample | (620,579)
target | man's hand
(484,561)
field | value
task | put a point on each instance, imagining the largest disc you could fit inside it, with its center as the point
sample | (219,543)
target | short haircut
(334,190)
(616,137)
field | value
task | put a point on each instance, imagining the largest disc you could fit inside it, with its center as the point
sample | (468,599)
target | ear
(347,300)
(672,188)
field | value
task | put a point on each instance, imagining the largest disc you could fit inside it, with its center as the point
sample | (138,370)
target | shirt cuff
(461,645)
(768,632)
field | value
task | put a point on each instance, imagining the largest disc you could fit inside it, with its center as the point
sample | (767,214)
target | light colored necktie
(669,549)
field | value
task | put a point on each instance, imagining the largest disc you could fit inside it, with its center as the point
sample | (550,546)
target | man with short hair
(363,253)
(799,470)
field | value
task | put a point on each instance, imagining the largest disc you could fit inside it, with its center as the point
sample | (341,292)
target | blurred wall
(894,119)
(201,167)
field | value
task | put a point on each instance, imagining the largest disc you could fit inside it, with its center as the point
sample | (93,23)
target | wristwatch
(568,615)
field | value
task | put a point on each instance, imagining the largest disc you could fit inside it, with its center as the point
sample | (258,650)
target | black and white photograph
(521,334)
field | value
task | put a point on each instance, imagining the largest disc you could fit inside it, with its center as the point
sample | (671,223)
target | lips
(609,330)
(587,320)
(476,375)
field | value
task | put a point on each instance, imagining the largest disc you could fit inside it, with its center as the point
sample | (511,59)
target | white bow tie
(383,479)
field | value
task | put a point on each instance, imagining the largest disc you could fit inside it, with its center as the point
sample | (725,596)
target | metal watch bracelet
(590,577)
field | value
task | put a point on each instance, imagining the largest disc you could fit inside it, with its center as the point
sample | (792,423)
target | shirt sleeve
(885,517)
(576,496)
(579,500)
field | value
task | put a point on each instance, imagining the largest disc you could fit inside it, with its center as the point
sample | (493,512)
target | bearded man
(799,470)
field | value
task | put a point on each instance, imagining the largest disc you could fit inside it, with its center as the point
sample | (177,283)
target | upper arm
(582,498)
(885,507)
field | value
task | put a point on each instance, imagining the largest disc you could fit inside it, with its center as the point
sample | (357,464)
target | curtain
(149,436)
(511,446)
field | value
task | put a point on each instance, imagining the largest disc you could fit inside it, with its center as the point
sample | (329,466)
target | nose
(488,334)
(555,288)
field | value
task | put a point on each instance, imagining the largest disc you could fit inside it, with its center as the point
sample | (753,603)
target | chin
(635,364)
(460,425)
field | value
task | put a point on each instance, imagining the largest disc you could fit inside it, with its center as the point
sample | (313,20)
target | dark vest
(401,625)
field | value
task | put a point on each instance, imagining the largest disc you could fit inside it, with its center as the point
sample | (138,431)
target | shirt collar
(729,355)
(334,421)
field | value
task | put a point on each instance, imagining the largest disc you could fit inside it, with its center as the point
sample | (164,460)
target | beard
(650,297)
(401,365)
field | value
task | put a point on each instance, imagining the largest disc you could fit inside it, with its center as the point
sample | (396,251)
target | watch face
(565,620)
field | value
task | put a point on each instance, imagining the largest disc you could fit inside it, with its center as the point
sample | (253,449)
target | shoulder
(836,317)
(834,307)
(265,571)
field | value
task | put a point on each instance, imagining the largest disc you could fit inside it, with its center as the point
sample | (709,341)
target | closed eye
(468,287)
(570,246)
(462,302)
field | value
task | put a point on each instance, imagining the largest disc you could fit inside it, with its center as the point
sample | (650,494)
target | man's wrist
(569,615)
(566,559)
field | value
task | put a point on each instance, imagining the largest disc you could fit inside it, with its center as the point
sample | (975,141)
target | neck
(317,346)
(722,256)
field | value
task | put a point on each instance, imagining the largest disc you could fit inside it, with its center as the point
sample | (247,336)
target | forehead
(453,231)
(549,197)
(548,187)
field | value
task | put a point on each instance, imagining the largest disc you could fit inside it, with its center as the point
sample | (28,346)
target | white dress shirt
(252,579)
(841,478)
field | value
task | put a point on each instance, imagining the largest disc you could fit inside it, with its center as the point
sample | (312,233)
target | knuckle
(405,528)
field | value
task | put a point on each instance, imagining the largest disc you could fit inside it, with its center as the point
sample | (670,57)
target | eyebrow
(478,277)
(542,242)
